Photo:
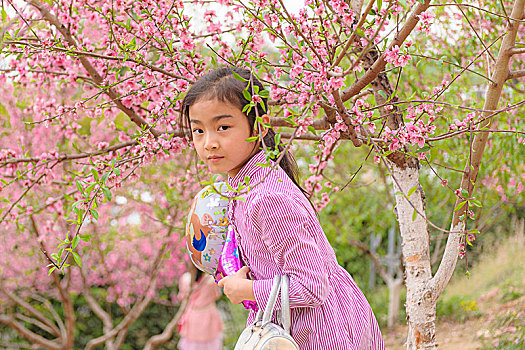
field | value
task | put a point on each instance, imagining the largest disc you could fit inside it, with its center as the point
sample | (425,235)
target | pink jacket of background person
(201,321)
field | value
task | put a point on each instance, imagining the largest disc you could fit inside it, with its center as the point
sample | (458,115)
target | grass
(502,269)
(496,290)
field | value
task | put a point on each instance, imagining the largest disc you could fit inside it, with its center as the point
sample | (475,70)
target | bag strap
(271,302)
(280,284)
(285,303)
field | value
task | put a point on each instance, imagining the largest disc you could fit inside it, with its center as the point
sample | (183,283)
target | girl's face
(219,132)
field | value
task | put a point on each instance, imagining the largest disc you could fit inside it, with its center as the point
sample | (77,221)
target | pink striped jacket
(278,233)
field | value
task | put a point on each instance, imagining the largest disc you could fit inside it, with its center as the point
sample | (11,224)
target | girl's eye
(197,131)
(223,128)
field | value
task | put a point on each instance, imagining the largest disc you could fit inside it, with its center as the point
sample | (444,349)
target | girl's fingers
(243,272)
(221,282)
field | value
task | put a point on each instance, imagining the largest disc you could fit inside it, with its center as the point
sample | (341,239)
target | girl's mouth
(214,159)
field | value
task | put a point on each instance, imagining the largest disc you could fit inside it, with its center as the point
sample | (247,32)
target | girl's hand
(238,287)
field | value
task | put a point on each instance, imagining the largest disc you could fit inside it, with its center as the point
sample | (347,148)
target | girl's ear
(266,120)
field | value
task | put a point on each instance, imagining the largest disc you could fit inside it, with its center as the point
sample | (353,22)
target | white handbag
(262,334)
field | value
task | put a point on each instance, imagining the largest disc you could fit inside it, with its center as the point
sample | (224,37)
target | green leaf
(51,270)
(74,206)
(423,149)
(107,193)
(80,188)
(475,203)
(247,95)
(251,139)
(95,175)
(382,93)
(104,178)
(412,190)
(379,4)
(91,187)
(76,240)
(460,205)
(85,238)
(238,77)
(464,193)
(247,179)
(133,44)
(414,215)
(277,139)
(117,171)
(94,213)
(77,258)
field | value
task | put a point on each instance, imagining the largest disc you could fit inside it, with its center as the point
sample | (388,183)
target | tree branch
(492,97)
(107,321)
(516,74)
(32,311)
(137,309)
(380,63)
(375,258)
(516,50)
(52,19)
(167,333)
(74,156)
(104,57)
(53,312)
(27,334)
(37,323)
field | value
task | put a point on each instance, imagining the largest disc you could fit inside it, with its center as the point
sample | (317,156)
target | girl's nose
(211,142)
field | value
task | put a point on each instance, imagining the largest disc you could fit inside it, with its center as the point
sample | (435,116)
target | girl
(277,229)
(200,327)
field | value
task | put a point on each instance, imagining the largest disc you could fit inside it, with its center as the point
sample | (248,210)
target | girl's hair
(198,275)
(222,85)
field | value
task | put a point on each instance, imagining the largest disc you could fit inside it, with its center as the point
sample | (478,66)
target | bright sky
(294,5)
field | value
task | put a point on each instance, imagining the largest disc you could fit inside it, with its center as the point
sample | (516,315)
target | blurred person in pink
(200,327)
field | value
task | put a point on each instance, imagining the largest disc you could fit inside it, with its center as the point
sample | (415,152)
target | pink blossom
(426,19)
(396,57)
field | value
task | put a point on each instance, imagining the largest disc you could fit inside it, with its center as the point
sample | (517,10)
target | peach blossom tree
(91,98)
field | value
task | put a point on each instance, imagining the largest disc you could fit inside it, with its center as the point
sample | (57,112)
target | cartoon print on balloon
(197,235)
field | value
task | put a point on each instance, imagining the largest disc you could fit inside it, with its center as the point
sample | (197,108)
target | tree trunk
(420,304)
(423,290)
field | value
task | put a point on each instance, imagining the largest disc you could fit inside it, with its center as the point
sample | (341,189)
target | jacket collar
(253,169)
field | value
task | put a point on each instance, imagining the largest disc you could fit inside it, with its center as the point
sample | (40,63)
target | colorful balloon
(210,239)
(207,226)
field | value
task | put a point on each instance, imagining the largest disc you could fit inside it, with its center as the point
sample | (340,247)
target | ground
(485,311)
(496,323)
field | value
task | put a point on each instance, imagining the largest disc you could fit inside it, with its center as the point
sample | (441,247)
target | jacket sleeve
(283,225)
